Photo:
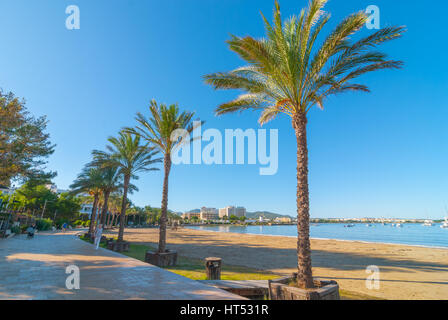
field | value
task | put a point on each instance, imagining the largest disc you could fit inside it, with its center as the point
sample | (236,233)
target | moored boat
(445,224)
(428,223)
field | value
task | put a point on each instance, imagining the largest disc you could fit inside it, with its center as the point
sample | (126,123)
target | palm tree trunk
(107,220)
(123,208)
(93,214)
(304,276)
(105,208)
(98,215)
(162,232)
(112,220)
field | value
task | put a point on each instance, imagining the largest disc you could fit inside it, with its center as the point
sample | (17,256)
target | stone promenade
(36,269)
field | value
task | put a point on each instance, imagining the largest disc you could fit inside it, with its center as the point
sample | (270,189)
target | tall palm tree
(157,131)
(130,157)
(89,181)
(287,74)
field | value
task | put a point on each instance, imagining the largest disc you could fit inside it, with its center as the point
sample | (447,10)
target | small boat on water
(368,225)
(349,225)
(399,225)
(445,224)
(428,223)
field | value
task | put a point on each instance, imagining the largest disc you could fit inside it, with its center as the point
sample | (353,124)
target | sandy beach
(406,272)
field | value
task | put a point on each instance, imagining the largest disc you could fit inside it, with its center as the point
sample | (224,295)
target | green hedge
(44,224)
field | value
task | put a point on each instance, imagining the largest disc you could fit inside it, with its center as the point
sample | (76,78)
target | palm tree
(89,181)
(157,130)
(112,181)
(114,205)
(130,157)
(287,74)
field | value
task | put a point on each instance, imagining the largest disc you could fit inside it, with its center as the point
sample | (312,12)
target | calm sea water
(410,234)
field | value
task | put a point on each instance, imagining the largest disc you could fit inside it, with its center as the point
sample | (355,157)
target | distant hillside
(265,214)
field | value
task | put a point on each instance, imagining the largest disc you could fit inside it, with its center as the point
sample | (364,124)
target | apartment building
(283,220)
(189,215)
(240,212)
(232,211)
(209,214)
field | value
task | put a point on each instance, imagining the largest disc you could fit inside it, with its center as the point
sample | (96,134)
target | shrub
(78,223)
(16,230)
(44,224)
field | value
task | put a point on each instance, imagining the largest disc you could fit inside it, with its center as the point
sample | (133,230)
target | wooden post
(213,268)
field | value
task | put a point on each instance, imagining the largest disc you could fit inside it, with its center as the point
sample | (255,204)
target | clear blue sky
(378,154)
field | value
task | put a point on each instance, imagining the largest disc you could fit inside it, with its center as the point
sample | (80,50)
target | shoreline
(329,239)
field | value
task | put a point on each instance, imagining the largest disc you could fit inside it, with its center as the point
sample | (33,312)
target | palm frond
(158,129)
(127,154)
(288,73)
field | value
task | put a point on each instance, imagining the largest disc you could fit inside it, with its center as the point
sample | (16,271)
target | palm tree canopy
(112,179)
(163,122)
(286,73)
(115,201)
(126,153)
(88,181)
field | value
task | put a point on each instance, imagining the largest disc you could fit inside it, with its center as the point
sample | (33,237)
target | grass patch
(195,268)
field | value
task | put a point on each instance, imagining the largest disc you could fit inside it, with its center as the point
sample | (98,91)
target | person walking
(98,235)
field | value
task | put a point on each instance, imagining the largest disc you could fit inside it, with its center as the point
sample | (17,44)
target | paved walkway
(35,269)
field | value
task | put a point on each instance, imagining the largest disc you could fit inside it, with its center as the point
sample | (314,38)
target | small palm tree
(112,182)
(89,181)
(114,206)
(287,74)
(130,157)
(158,130)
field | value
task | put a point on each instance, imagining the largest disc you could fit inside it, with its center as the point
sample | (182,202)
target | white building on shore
(232,211)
